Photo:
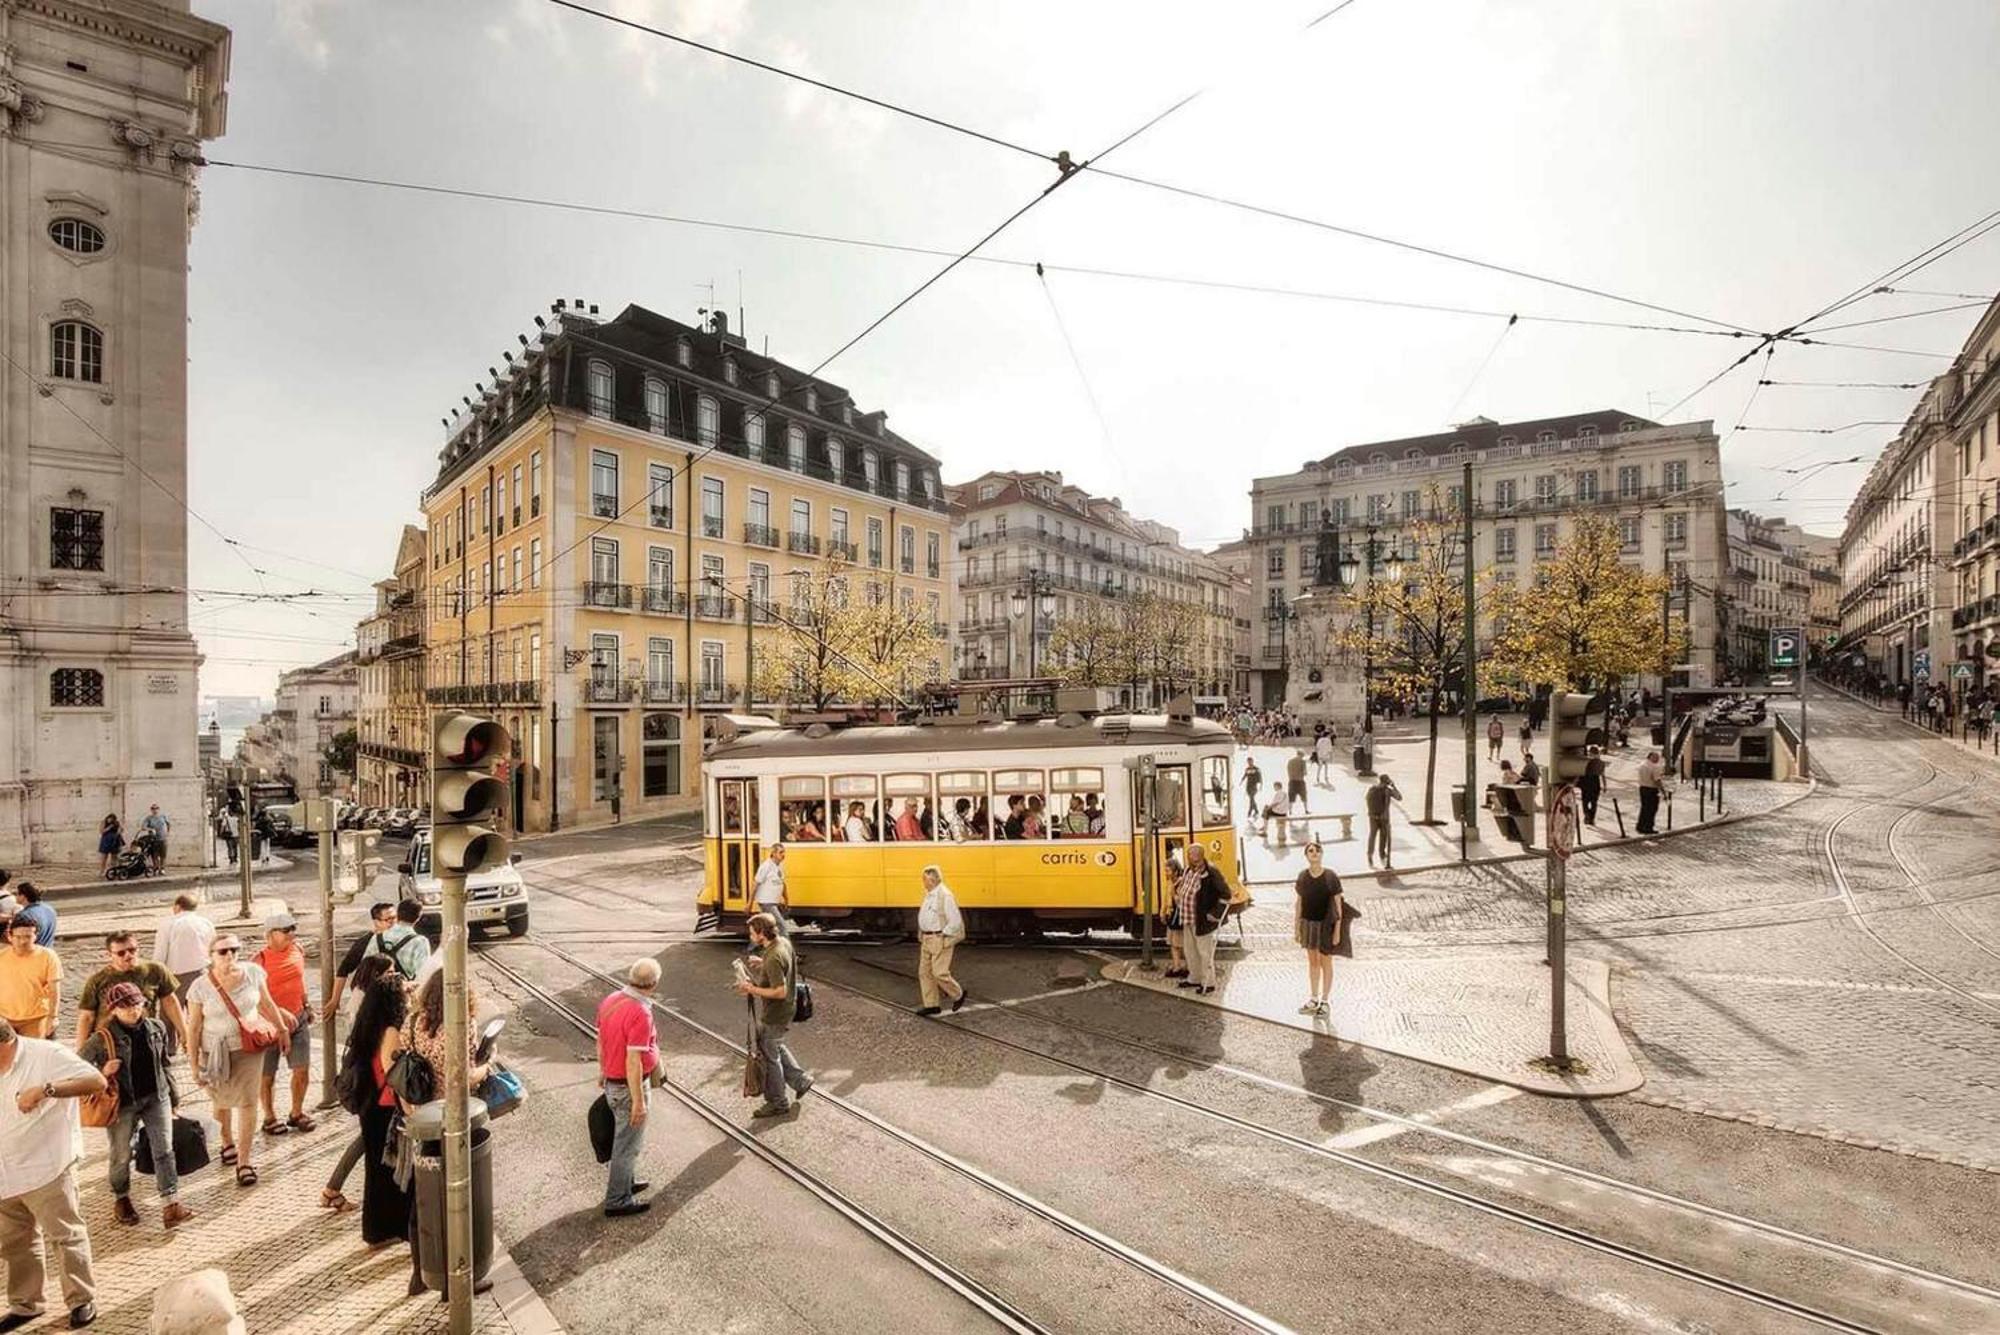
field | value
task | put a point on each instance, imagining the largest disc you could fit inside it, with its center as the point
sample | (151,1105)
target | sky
(1743,164)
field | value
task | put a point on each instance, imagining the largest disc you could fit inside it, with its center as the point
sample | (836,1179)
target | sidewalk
(1401,750)
(1988,751)
(60,876)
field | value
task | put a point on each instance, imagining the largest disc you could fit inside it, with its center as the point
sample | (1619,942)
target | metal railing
(671,601)
(760,535)
(617,597)
(664,692)
(717,693)
(804,543)
(609,690)
(715,607)
(845,551)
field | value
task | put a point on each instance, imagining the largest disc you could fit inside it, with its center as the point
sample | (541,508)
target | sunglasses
(126,953)
(224,950)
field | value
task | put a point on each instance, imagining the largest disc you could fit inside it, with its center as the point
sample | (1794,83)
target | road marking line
(1368,1135)
(1039,996)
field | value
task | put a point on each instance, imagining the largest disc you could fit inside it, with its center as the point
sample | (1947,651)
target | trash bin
(426,1127)
(1361,765)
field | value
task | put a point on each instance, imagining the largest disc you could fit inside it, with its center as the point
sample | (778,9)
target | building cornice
(203,44)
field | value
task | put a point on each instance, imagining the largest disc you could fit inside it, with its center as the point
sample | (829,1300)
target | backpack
(395,954)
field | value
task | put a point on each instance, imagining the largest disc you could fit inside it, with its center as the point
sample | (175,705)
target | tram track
(1004,1312)
(1923,885)
(1839,1253)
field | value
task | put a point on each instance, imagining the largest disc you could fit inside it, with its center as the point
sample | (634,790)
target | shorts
(297,1053)
(1296,790)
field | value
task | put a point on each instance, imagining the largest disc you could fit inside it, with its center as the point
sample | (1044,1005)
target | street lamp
(1037,594)
(1349,569)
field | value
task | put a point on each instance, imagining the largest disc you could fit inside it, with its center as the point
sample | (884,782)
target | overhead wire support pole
(1470,827)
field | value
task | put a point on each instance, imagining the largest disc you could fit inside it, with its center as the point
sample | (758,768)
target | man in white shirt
(41,1140)
(769,888)
(939,930)
(181,941)
(1652,776)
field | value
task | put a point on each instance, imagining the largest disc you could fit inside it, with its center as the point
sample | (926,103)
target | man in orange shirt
(30,982)
(284,966)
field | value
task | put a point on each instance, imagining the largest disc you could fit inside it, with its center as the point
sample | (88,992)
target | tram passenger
(856,826)
(908,827)
(1094,812)
(1034,825)
(1076,824)
(1017,816)
(811,827)
(982,821)
(960,822)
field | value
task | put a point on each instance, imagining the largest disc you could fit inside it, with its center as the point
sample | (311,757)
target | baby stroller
(135,861)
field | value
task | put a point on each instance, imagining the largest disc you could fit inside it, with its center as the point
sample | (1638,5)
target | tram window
(962,803)
(854,802)
(1170,782)
(802,810)
(1078,803)
(1026,811)
(909,817)
(1214,792)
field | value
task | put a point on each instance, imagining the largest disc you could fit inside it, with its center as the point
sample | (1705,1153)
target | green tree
(1588,618)
(340,751)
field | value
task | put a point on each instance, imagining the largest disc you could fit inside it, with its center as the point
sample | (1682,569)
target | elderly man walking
(628,1059)
(940,927)
(41,1139)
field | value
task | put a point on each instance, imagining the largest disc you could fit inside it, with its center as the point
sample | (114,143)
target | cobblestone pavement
(294,1267)
(1752,982)
(1277,854)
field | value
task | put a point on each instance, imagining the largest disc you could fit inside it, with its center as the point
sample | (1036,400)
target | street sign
(1786,645)
(1963,672)
(1920,665)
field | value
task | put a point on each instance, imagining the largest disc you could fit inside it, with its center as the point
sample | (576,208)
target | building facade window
(837,527)
(604,762)
(517,495)
(534,563)
(1631,480)
(1677,530)
(707,420)
(1674,475)
(932,560)
(656,404)
(753,435)
(661,755)
(534,484)
(802,516)
(77,236)
(1586,485)
(600,382)
(875,543)
(76,688)
(908,546)
(1411,502)
(711,507)
(660,495)
(1628,532)
(712,679)
(902,478)
(603,484)
(836,456)
(795,448)
(604,560)
(76,352)
(759,513)
(1503,494)
(1503,544)
(1545,489)
(1545,540)
(871,469)
(76,539)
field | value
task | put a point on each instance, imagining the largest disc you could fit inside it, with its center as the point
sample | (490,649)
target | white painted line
(1368,1135)
(1038,996)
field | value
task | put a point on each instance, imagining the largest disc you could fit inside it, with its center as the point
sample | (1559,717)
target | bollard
(1669,795)
(1701,801)
(1620,814)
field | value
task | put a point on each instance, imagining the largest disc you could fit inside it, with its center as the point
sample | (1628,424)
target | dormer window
(812,398)
(684,352)
(728,370)
(1378,458)
(771,389)
(1628,426)
(847,413)
(1588,431)
(835,455)
(930,485)
(795,448)
(871,468)
(656,404)
(1413,455)
(1506,443)
(601,384)
(1458,447)
(902,478)
(1545,437)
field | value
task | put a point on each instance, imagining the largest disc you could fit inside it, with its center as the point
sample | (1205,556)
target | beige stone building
(613,531)
(1973,402)
(392,719)
(1035,550)
(1662,484)
(314,705)
(103,110)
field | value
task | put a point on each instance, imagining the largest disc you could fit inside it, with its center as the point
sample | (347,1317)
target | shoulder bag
(101,1108)
(802,1002)
(412,1078)
(254,1040)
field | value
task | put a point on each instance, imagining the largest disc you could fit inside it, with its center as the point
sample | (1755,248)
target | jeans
(777,912)
(350,1157)
(1378,837)
(1649,808)
(625,1142)
(157,1117)
(782,1074)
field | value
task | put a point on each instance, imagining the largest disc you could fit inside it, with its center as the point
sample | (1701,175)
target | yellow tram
(1037,825)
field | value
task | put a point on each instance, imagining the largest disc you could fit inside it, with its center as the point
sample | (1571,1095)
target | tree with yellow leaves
(1588,618)
(835,644)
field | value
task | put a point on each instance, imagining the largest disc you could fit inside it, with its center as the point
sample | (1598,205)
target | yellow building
(610,520)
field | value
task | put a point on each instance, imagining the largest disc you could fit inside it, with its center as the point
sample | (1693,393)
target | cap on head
(124,994)
(281,922)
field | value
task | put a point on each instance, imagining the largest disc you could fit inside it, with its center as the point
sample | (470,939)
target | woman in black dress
(371,1050)
(1319,925)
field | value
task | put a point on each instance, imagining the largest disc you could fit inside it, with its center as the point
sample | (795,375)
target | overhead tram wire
(1906,315)
(1480,371)
(1061,160)
(1076,360)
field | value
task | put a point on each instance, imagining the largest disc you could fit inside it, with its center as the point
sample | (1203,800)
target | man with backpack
(406,948)
(772,982)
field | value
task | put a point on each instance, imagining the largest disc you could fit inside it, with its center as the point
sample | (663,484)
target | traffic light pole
(1470,827)
(1805,674)
(1569,761)
(246,847)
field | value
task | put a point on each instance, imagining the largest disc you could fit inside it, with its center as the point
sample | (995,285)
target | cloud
(301,23)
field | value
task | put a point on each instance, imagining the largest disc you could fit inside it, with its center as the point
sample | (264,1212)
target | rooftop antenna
(741,325)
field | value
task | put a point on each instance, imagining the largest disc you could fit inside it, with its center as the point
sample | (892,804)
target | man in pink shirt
(628,1058)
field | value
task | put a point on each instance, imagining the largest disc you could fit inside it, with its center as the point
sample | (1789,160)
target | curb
(521,1307)
(1918,728)
(171,880)
(1811,787)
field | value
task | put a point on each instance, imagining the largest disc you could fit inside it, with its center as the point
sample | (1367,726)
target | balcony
(841,550)
(402,644)
(609,690)
(980,540)
(763,612)
(670,601)
(803,543)
(664,692)
(660,516)
(1241,660)
(760,535)
(1272,654)
(711,526)
(982,625)
(715,607)
(603,507)
(616,597)
(713,693)
(990,673)
(941,630)
(908,565)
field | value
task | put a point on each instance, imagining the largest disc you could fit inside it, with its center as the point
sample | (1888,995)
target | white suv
(496,898)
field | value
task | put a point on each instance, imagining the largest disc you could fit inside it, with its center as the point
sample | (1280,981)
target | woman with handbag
(131,1050)
(372,1047)
(1201,901)
(232,1019)
(1317,926)
(424,1033)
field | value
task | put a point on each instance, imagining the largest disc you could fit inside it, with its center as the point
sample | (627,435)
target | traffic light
(1569,736)
(468,796)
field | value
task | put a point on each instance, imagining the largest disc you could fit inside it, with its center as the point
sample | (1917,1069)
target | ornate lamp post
(1349,568)
(1035,602)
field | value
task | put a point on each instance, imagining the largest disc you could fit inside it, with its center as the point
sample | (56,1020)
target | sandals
(300,1122)
(335,1201)
(246,1176)
(274,1127)
(228,1155)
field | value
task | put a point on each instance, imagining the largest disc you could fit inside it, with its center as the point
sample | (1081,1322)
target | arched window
(753,434)
(707,420)
(601,395)
(661,756)
(835,456)
(795,448)
(76,352)
(76,688)
(77,236)
(656,404)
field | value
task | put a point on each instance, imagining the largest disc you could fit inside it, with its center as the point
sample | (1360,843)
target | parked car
(493,899)
(400,823)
